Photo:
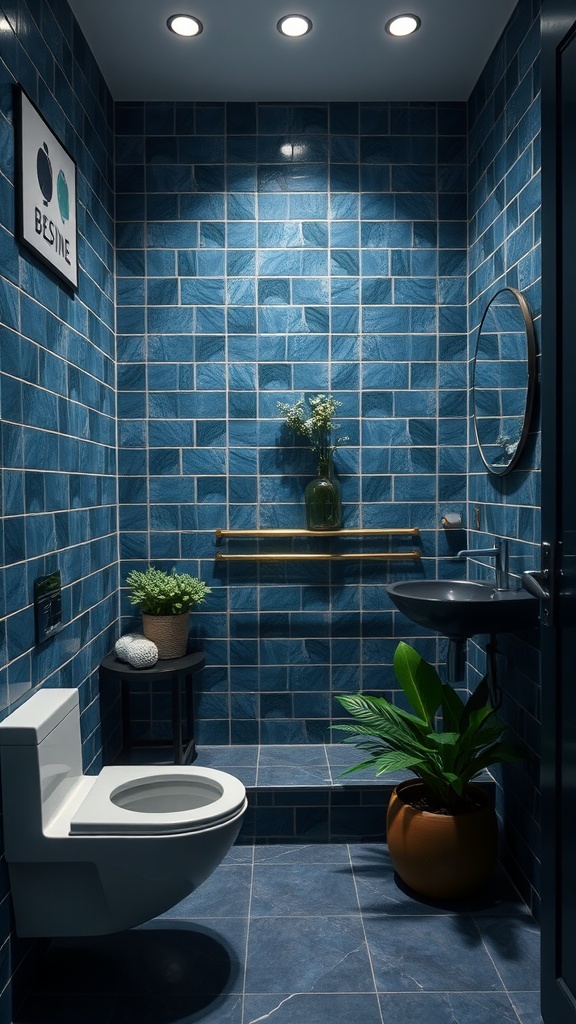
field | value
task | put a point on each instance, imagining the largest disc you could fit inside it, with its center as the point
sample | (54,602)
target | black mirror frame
(530,387)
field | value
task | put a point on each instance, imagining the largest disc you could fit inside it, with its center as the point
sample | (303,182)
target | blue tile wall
(265,251)
(57,397)
(504,178)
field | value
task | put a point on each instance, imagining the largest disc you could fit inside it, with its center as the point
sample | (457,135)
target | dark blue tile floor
(302,934)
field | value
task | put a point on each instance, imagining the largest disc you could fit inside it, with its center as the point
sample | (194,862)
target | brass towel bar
(411,531)
(320,557)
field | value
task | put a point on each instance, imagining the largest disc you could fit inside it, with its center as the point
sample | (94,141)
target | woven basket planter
(168,632)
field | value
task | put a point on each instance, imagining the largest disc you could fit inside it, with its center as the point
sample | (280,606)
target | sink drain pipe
(494,688)
(456,667)
(455,660)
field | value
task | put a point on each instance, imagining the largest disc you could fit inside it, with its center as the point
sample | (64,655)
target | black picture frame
(46,192)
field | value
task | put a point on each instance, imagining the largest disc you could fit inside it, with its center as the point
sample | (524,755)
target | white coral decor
(136,650)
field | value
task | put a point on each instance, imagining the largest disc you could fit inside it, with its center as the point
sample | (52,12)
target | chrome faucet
(500,553)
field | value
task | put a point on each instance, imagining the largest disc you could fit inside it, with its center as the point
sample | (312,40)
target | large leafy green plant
(161,593)
(447,750)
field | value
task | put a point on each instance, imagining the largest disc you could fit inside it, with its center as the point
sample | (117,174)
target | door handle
(541,584)
(537,583)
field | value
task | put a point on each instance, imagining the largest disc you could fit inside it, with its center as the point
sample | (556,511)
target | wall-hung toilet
(89,855)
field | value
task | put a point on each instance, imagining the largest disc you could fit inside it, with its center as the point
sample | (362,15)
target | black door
(559,511)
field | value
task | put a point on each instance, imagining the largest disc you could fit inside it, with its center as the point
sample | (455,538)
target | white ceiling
(241,56)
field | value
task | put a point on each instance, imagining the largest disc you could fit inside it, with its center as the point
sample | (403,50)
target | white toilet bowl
(89,855)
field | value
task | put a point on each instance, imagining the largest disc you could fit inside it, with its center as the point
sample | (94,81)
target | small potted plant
(165,601)
(322,496)
(441,829)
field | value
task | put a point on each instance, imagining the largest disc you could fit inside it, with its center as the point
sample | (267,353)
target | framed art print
(46,192)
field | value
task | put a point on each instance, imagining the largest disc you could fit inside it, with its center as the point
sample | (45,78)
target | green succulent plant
(446,751)
(161,593)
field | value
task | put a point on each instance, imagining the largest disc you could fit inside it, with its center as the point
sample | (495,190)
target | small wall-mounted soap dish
(452,521)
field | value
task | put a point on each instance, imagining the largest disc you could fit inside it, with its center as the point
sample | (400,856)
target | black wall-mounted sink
(462,608)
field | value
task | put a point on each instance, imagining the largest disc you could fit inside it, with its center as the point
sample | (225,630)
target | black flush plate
(47,606)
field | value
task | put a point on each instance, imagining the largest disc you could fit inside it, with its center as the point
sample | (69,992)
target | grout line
(247,945)
(368,951)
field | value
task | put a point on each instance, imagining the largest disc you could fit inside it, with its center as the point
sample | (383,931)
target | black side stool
(180,672)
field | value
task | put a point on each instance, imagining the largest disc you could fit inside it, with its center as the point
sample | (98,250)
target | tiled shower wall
(58,463)
(504,176)
(265,251)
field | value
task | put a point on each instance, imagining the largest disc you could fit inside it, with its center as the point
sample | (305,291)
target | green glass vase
(323,498)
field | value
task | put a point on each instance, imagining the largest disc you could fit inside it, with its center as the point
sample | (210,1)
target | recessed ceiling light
(294,25)
(184,25)
(403,25)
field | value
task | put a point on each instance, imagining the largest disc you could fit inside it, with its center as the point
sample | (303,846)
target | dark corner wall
(504,249)
(57,395)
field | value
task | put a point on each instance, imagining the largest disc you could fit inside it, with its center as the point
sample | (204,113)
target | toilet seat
(129,800)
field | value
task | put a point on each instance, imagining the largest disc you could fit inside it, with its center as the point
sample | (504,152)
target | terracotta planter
(168,632)
(441,856)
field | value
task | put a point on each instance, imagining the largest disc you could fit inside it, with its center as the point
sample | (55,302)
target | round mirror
(503,380)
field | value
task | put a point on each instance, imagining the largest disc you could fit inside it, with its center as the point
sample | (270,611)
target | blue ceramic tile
(374,118)
(202,291)
(410,955)
(317,954)
(225,894)
(378,891)
(344,261)
(272,756)
(448,1008)
(344,178)
(240,118)
(295,1008)
(310,291)
(241,206)
(344,206)
(343,117)
(292,178)
(227,757)
(241,262)
(376,206)
(312,853)
(527,1006)
(514,949)
(344,234)
(211,235)
(377,291)
(274,290)
(385,234)
(241,177)
(374,178)
(302,889)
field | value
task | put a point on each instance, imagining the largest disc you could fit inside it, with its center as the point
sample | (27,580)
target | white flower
(318,426)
